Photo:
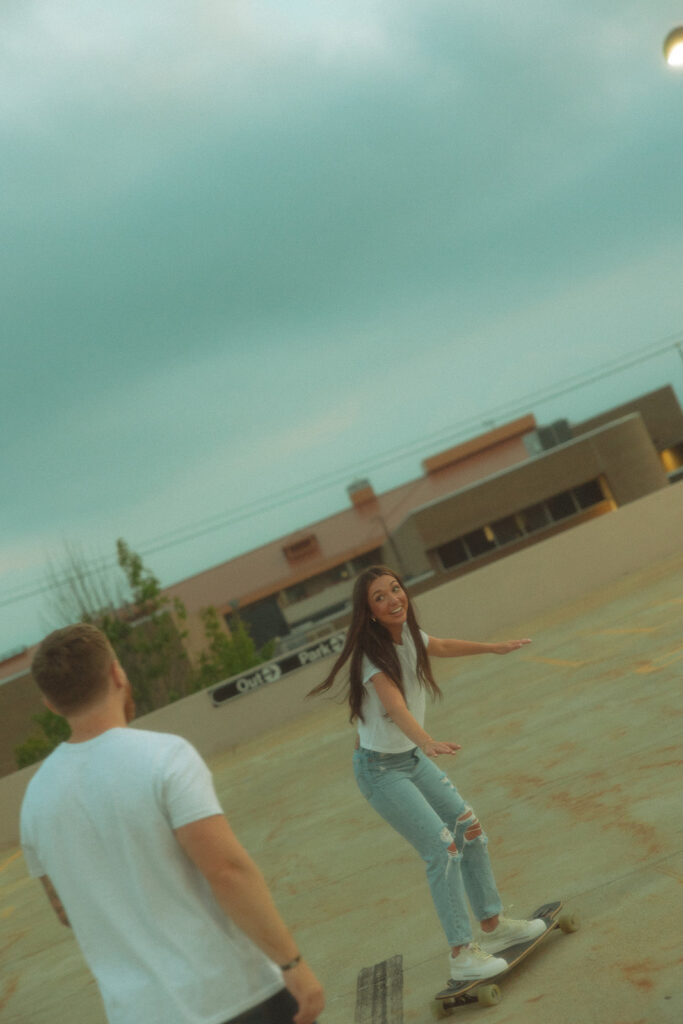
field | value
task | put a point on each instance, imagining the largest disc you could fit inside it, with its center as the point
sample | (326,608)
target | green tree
(146,629)
(146,637)
(224,655)
(53,730)
(137,620)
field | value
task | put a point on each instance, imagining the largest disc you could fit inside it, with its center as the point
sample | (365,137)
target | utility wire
(450,433)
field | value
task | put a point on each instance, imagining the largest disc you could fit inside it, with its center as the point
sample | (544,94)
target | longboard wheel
(568,923)
(488,995)
(445,1008)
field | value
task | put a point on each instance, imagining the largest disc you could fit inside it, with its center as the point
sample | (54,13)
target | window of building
(672,459)
(562,505)
(506,530)
(453,553)
(263,619)
(297,592)
(315,584)
(589,494)
(480,541)
(305,547)
(363,561)
(534,517)
(516,527)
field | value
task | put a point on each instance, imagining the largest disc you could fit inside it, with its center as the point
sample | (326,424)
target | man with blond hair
(124,829)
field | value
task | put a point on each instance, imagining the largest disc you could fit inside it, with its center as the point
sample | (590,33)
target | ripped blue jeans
(422,804)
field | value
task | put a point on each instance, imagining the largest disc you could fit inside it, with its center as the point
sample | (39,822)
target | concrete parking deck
(571,758)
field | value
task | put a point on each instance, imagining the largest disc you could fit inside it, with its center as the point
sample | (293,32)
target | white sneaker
(509,933)
(473,963)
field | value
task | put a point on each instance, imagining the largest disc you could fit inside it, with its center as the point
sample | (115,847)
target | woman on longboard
(389,677)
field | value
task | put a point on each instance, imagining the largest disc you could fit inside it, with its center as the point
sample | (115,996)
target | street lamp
(673,47)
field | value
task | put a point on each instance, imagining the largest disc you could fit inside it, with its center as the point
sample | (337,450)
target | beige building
(473,504)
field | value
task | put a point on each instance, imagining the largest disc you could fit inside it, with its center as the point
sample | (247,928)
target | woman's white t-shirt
(377,731)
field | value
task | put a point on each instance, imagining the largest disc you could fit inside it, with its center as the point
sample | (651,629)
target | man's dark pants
(279,1009)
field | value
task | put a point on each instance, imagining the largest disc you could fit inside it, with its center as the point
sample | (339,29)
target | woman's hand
(454,648)
(432,748)
(505,646)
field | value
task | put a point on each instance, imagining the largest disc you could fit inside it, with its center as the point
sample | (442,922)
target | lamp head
(673,47)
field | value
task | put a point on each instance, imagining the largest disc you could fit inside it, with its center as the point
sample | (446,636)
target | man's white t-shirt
(377,731)
(98,819)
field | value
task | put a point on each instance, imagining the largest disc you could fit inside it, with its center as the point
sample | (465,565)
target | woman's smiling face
(388,603)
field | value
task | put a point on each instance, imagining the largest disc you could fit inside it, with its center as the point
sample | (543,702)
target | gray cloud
(214,223)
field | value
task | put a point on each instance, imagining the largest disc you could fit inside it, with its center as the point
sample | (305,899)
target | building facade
(478,501)
(474,503)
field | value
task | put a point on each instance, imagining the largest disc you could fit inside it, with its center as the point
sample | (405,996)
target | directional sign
(271,671)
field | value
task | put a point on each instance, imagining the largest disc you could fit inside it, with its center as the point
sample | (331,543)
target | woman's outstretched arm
(395,706)
(462,648)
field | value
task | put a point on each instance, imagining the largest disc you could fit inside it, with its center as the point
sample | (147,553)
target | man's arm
(55,901)
(241,891)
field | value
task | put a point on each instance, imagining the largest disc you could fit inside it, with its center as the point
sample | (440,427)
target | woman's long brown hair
(365,637)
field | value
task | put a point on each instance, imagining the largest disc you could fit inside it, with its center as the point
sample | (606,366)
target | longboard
(482,990)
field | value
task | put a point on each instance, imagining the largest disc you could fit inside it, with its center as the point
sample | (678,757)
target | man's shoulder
(133,745)
(134,734)
(42,772)
(155,745)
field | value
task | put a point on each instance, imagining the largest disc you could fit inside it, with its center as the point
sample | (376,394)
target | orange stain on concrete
(625,630)
(676,875)
(8,990)
(12,939)
(521,785)
(558,661)
(636,975)
(610,813)
(639,974)
(563,748)
(660,663)
(10,860)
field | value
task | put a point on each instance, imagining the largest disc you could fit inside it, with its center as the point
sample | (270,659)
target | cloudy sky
(255,249)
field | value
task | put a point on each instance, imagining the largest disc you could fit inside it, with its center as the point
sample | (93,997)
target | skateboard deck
(483,990)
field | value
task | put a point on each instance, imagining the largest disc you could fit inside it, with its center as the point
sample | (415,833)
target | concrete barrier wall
(19,702)
(481,605)
(558,571)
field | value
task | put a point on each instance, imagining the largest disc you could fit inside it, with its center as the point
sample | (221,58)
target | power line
(451,433)
(294,492)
